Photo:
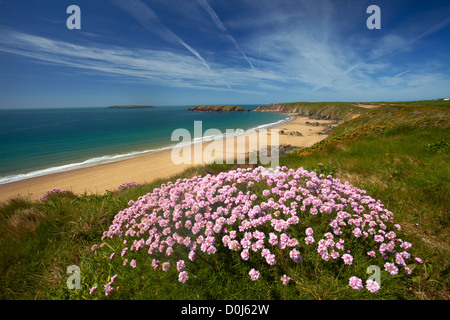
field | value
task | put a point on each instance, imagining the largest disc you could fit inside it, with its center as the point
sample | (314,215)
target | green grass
(397,153)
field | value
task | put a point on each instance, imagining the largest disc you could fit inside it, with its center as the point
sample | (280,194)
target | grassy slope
(398,153)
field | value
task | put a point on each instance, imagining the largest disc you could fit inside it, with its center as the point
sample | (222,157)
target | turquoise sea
(36,142)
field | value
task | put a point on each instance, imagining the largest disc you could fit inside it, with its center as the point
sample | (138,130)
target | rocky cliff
(218,108)
(318,111)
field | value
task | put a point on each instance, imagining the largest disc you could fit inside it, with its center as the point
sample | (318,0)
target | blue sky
(187,52)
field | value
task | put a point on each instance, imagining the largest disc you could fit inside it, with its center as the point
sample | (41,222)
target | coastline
(145,168)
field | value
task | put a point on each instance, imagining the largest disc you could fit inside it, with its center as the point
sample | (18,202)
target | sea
(37,142)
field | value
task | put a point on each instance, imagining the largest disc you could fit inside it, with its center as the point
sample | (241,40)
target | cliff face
(317,111)
(218,108)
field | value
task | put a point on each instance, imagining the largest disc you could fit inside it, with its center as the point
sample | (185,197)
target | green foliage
(398,153)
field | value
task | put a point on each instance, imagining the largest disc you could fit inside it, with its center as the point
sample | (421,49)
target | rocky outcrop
(218,108)
(316,111)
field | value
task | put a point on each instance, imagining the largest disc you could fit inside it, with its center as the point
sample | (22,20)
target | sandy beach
(300,132)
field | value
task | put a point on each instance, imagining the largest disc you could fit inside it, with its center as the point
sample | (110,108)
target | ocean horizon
(38,142)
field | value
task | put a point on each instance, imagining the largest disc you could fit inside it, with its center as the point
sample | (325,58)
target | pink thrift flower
(309,231)
(113,278)
(391,268)
(155,264)
(133,263)
(309,239)
(357,232)
(254,274)
(183,277)
(295,255)
(191,255)
(285,279)
(270,259)
(245,254)
(372,286)
(165,266)
(348,259)
(356,283)
(234,245)
(108,289)
(93,289)
(180,265)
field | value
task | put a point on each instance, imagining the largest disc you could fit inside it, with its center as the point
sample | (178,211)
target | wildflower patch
(279,218)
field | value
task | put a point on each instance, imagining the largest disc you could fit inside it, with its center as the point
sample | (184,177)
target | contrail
(205,5)
(150,21)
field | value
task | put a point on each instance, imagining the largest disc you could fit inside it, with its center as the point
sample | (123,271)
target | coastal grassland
(317,110)
(397,153)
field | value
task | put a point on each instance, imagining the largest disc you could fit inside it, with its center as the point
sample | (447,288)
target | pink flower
(309,232)
(295,255)
(391,268)
(108,289)
(181,265)
(270,259)
(234,245)
(165,266)
(348,259)
(357,232)
(155,264)
(183,276)
(285,279)
(418,260)
(309,239)
(254,274)
(113,278)
(133,263)
(191,255)
(372,286)
(93,289)
(245,254)
(356,283)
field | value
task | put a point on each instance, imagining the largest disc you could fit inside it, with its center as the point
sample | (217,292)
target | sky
(188,52)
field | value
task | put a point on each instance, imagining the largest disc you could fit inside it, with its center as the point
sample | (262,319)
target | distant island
(218,108)
(129,106)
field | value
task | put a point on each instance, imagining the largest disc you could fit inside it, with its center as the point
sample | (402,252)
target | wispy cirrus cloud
(149,66)
(150,21)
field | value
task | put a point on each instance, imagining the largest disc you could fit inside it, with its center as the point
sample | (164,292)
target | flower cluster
(127,185)
(55,191)
(254,212)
